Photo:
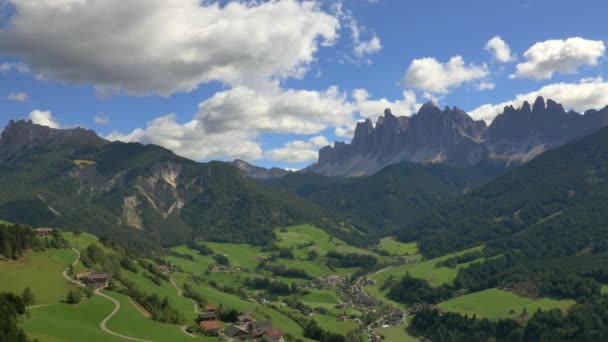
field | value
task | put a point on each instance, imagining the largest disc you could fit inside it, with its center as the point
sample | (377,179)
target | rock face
(451,136)
(257,172)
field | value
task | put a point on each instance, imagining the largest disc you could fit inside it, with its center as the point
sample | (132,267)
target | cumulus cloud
(229,123)
(361,46)
(19,67)
(297,151)
(428,74)
(44,118)
(586,94)
(543,59)
(485,86)
(18,97)
(500,49)
(191,140)
(101,119)
(160,46)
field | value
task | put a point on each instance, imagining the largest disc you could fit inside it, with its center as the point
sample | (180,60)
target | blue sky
(271,82)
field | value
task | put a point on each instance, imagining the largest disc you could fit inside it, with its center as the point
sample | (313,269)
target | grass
(70,323)
(421,269)
(332,324)
(496,303)
(394,247)
(604,289)
(240,255)
(396,333)
(182,304)
(130,322)
(85,162)
(41,272)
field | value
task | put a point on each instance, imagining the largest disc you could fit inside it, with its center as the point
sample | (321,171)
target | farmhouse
(211,328)
(237,331)
(207,316)
(259,328)
(245,319)
(210,308)
(44,231)
(273,335)
(96,280)
(164,269)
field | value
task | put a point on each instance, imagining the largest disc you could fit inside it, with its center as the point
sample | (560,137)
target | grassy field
(394,247)
(421,269)
(70,323)
(240,255)
(41,271)
(396,333)
(128,321)
(182,304)
(332,324)
(495,303)
(604,289)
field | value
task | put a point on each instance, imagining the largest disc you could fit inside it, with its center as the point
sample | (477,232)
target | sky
(271,82)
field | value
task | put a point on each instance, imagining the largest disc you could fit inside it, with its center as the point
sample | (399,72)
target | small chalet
(237,332)
(273,335)
(211,328)
(44,231)
(164,269)
(245,319)
(96,280)
(259,327)
(210,308)
(207,316)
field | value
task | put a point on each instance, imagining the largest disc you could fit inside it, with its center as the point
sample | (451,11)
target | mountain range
(141,194)
(452,137)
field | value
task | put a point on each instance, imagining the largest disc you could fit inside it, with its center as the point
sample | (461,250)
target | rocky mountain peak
(451,136)
(23,135)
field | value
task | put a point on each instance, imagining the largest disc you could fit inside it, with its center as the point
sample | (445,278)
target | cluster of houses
(44,232)
(246,328)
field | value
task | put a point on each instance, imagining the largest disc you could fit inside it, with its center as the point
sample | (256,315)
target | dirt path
(103,324)
(65,272)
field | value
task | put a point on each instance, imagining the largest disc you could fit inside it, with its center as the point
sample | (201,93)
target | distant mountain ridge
(452,137)
(258,172)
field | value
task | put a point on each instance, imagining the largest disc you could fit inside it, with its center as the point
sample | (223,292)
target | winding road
(103,323)
(179,294)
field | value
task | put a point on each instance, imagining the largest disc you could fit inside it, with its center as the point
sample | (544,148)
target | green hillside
(388,199)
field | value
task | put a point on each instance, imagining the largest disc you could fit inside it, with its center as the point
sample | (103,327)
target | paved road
(103,323)
(65,272)
(179,294)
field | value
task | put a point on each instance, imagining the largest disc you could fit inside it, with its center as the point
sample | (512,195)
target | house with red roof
(211,328)
(273,335)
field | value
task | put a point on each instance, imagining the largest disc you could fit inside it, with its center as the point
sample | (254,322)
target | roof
(261,325)
(210,325)
(245,317)
(235,330)
(206,314)
(210,307)
(274,332)
(44,229)
(98,276)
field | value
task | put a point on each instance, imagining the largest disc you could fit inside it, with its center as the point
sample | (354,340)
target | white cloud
(485,86)
(361,47)
(229,123)
(101,119)
(19,67)
(428,74)
(160,46)
(192,141)
(500,49)
(298,151)
(19,97)
(44,118)
(543,59)
(581,96)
